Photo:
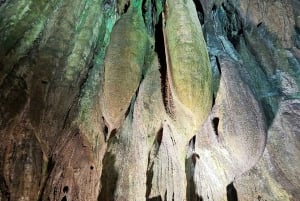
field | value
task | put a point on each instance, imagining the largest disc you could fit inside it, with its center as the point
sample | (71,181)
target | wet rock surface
(149,100)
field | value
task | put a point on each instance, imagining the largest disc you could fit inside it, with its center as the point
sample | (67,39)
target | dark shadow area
(160,50)
(268,111)
(105,130)
(231,193)
(218,64)
(241,32)
(113,133)
(189,173)
(192,142)
(149,11)
(13,95)
(217,72)
(44,81)
(297,30)
(215,123)
(50,167)
(157,198)
(66,189)
(195,157)
(200,11)
(149,178)
(213,100)
(109,178)
(2,2)
(107,135)
(214,8)
(259,24)
(3,186)
(159,136)
(199,198)
(126,6)
(64,198)
(233,26)
(166,193)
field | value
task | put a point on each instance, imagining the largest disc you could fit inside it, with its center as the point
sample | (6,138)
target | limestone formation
(188,67)
(130,100)
(122,75)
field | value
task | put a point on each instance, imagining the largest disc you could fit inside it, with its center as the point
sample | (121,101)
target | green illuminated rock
(123,65)
(189,69)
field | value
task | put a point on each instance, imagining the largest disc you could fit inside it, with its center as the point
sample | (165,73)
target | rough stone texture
(188,67)
(277,16)
(140,100)
(230,141)
(275,177)
(122,74)
(44,153)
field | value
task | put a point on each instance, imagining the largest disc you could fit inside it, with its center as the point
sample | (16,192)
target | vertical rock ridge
(118,91)
(188,67)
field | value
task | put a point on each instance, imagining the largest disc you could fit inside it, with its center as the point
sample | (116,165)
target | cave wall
(149,100)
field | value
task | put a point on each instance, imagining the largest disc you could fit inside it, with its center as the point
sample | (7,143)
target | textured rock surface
(149,100)
(277,171)
(123,74)
(231,140)
(188,67)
